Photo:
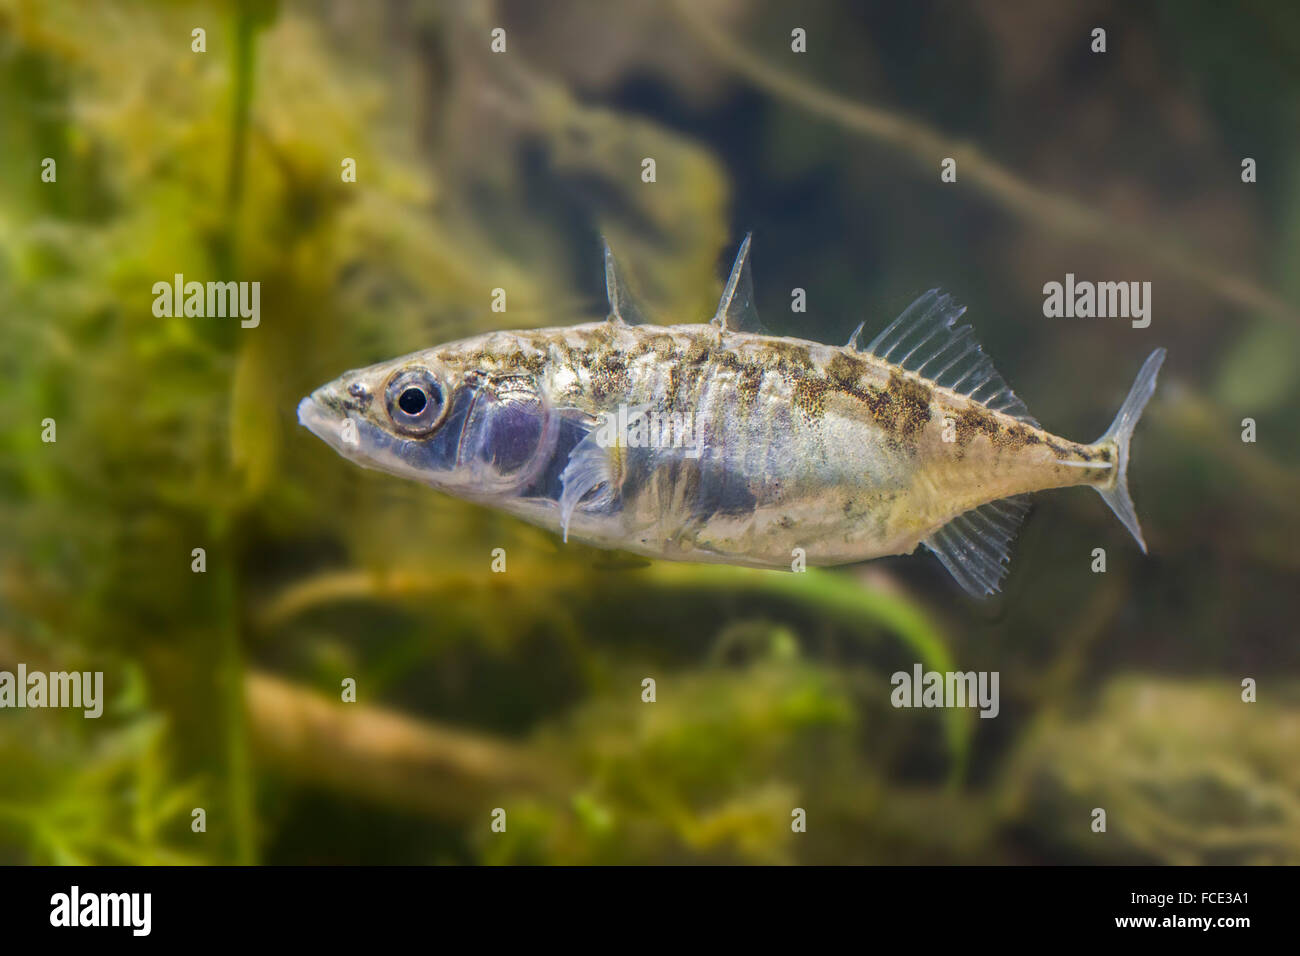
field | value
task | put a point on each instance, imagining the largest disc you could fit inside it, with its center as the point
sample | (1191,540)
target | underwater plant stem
(1040,207)
(239,772)
(230,688)
(846,599)
(835,594)
(242,66)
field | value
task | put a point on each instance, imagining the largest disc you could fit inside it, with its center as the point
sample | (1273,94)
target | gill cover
(498,436)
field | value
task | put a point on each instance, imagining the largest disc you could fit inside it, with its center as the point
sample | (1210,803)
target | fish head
(438,419)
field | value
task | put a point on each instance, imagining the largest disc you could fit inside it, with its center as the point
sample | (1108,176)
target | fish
(716,442)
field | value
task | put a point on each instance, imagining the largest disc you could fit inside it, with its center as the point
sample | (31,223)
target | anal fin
(975,546)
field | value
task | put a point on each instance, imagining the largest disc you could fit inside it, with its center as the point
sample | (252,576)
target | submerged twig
(835,595)
(384,756)
(1060,214)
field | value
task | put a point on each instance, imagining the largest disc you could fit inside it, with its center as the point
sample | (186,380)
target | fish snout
(307,408)
(321,414)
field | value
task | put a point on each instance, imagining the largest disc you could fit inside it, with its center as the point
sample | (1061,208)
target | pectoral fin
(592,478)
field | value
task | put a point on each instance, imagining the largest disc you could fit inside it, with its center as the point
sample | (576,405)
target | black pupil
(412,401)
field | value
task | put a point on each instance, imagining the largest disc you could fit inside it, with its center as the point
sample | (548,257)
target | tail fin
(1120,434)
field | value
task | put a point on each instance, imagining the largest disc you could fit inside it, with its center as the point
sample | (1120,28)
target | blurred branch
(831,594)
(375,754)
(383,756)
(1094,621)
(1200,423)
(1056,213)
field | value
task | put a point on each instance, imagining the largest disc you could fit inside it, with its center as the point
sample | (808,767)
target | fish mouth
(321,421)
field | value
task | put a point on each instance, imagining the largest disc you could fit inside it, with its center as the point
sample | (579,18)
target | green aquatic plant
(1187,773)
(522,690)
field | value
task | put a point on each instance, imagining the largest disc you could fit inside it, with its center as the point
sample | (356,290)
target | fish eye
(415,401)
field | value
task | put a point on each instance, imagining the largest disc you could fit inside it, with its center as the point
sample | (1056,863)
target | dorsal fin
(736,310)
(623,309)
(853,339)
(975,546)
(924,340)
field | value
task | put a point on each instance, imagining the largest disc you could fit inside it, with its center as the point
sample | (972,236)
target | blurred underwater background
(522,690)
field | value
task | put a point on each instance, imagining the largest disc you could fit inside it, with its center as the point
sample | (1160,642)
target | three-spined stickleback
(710,442)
